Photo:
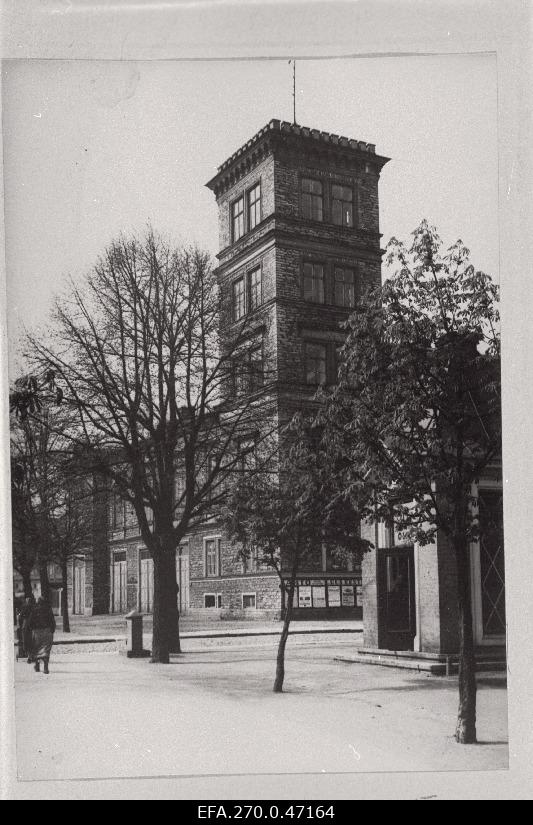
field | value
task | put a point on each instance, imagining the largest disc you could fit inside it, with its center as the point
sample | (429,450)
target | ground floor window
(213,600)
(78,601)
(248,601)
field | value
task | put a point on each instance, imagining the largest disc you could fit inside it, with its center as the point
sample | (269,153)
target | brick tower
(299,246)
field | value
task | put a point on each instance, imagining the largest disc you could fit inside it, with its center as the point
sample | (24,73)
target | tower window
(237,219)
(344,287)
(254,288)
(254,206)
(256,368)
(313,282)
(315,363)
(342,205)
(239,307)
(312,199)
(248,371)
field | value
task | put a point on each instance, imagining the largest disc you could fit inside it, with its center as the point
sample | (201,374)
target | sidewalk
(86,630)
(214,712)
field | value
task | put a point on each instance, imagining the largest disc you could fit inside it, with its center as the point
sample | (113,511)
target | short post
(134,647)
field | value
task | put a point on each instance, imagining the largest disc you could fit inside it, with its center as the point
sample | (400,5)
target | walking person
(24,632)
(42,624)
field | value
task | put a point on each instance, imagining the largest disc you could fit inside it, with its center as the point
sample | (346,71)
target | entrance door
(146,600)
(182,576)
(79,587)
(120,590)
(397,598)
(491,563)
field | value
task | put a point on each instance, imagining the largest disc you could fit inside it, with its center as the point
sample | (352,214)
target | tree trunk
(280,662)
(165,617)
(45,581)
(64,597)
(26,582)
(465,732)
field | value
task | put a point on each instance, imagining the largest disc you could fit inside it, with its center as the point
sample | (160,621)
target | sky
(95,148)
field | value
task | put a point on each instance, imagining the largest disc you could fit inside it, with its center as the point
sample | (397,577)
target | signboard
(334,595)
(345,591)
(348,595)
(319,596)
(304,596)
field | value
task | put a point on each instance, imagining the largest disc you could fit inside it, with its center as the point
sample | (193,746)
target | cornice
(293,137)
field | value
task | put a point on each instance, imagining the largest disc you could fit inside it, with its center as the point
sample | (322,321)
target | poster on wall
(348,595)
(334,595)
(319,596)
(304,596)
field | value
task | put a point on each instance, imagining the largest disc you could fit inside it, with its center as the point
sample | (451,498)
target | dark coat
(25,613)
(42,617)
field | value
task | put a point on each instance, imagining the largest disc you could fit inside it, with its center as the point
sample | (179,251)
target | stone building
(299,246)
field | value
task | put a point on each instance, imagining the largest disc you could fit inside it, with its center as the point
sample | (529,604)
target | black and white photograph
(256,482)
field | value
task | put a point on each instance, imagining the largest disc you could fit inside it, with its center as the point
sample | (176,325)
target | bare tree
(138,355)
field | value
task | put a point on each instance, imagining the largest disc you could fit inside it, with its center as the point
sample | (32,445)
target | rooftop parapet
(283,128)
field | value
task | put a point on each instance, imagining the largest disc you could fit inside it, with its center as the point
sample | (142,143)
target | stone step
(421,664)
(482,654)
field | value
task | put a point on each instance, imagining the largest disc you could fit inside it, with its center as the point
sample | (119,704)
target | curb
(213,635)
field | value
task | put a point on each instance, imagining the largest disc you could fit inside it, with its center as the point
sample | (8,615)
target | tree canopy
(415,417)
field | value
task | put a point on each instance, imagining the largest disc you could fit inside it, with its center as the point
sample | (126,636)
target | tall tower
(299,246)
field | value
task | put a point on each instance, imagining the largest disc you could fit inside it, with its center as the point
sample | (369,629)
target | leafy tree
(415,417)
(51,506)
(276,515)
(33,485)
(138,355)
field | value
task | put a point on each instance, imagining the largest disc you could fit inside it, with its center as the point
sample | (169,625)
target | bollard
(134,648)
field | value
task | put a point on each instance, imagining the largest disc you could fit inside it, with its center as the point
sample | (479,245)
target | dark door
(397,598)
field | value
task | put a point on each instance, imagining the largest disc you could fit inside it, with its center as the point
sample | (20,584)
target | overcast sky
(92,148)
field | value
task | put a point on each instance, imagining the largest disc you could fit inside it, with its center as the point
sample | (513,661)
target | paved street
(211,711)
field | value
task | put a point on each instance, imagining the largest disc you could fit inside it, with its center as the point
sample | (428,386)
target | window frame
(216,540)
(249,205)
(306,263)
(344,269)
(311,343)
(249,595)
(342,201)
(241,298)
(238,216)
(312,195)
(250,306)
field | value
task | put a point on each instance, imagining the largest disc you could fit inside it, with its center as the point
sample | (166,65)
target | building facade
(299,246)
(410,592)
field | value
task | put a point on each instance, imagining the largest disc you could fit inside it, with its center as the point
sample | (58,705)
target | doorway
(119,581)
(396,594)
